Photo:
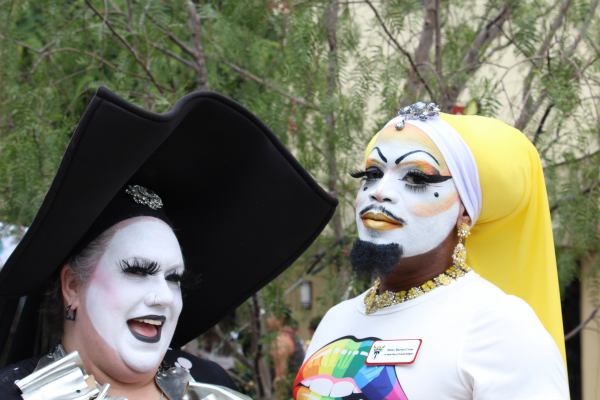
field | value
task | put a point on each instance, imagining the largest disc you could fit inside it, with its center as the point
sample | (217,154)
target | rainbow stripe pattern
(338,371)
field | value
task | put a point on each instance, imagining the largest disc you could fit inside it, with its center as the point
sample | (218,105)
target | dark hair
(52,308)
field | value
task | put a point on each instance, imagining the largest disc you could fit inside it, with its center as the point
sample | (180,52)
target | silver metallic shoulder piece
(144,196)
(419,111)
(64,379)
(60,376)
(205,391)
(177,384)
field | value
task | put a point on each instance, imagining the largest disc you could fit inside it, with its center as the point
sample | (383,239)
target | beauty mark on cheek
(435,205)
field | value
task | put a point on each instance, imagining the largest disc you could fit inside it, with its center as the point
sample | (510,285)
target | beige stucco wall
(590,335)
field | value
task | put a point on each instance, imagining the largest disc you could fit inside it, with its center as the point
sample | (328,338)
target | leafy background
(323,75)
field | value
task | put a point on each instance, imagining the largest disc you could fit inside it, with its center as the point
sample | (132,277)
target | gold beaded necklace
(375,301)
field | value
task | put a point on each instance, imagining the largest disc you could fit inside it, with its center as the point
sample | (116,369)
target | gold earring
(459,255)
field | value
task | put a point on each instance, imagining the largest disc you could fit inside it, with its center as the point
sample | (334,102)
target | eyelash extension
(367,174)
(138,266)
(426,178)
(358,173)
(175,277)
(416,188)
(422,178)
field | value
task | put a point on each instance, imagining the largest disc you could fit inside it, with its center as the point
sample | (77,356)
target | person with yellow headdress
(453,222)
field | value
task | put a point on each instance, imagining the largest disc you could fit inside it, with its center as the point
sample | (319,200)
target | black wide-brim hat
(241,206)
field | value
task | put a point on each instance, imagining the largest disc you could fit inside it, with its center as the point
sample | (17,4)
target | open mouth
(380,221)
(146,328)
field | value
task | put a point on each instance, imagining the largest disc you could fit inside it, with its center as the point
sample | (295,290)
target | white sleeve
(508,354)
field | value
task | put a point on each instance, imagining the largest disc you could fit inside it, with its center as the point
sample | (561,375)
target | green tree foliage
(324,75)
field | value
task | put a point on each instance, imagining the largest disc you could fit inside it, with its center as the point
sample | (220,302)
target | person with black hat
(155,226)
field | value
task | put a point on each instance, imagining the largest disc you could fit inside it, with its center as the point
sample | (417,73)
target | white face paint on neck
(133,298)
(407,195)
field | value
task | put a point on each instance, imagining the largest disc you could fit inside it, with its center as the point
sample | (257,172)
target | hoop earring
(70,313)
(459,255)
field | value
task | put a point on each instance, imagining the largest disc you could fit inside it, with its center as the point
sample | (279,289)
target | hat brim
(242,207)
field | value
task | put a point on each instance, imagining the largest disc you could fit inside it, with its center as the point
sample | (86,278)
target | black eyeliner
(435,178)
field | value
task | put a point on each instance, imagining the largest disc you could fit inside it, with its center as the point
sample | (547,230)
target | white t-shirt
(478,343)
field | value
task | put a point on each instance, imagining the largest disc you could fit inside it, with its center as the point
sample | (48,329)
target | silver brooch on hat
(420,111)
(144,196)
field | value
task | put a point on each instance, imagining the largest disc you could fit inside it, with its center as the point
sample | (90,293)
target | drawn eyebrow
(413,152)
(380,154)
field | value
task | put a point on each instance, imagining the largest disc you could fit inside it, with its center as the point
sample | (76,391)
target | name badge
(394,352)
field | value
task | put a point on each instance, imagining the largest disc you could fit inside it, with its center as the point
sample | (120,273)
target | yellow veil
(511,243)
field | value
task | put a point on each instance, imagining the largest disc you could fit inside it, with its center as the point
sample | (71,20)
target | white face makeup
(407,195)
(133,298)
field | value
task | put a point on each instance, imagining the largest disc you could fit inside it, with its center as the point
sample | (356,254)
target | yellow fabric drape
(511,244)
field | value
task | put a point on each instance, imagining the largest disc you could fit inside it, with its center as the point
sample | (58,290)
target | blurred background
(324,76)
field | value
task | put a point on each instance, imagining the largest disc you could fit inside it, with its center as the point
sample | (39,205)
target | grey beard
(369,258)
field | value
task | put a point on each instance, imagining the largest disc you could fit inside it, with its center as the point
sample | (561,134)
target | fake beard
(369,258)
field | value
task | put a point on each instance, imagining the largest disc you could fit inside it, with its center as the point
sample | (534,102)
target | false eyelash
(175,277)
(358,173)
(416,188)
(421,180)
(426,178)
(138,266)
(367,174)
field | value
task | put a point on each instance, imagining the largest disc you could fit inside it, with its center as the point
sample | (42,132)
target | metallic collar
(61,376)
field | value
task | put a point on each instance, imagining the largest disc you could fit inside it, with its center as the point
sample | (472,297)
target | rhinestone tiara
(419,111)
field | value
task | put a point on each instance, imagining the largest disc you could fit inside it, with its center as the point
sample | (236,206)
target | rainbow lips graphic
(338,371)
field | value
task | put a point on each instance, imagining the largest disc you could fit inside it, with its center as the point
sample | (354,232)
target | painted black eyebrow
(416,151)
(380,154)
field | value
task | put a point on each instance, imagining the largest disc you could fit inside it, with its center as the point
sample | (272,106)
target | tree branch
(582,324)
(173,55)
(270,85)
(331,21)
(438,47)
(172,37)
(201,72)
(528,108)
(48,52)
(227,342)
(427,33)
(583,28)
(488,32)
(576,160)
(584,191)
(127,45)
(540,128)
(262,372)
(401,49)
(421,56)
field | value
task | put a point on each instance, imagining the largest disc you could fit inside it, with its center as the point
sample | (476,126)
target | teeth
(342,389)
(325,387)
(149,321)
